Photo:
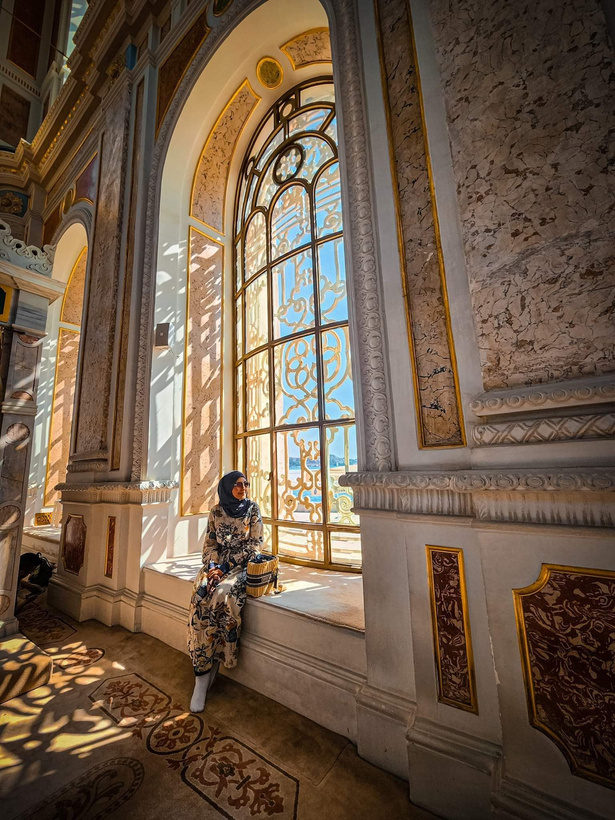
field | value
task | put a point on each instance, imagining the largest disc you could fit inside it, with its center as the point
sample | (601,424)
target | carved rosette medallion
(566,628)
(451,628)
(73,543)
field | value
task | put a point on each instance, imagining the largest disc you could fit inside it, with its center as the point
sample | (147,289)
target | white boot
(201,682)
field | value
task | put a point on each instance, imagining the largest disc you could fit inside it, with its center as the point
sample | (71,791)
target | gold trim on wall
(421,428)
(473,705)
(524,649)
(257,98)
(110,545)
(8,303)
(194,229)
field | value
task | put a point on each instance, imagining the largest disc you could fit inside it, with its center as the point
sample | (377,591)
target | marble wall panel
(72,304)
(201,450)
(15,115)
(95,385)
(174,67)
(566,624)
(451,628)
(209,189)
(73,543)
(433,360)
(85,184)
(310,47)
(50,225)
(61,412)
(530,100)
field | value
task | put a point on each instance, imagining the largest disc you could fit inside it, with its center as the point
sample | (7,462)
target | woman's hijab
(232,506)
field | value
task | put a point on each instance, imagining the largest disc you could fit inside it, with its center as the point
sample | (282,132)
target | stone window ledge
(331,597)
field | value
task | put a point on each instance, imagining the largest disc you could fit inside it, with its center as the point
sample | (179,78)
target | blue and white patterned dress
(214,622)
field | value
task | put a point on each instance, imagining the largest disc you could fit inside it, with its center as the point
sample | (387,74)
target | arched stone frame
(70,239)
(367,337)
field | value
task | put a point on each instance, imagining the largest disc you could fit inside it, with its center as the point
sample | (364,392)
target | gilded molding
(452,640)
(544,398)
(432,353)
(557,428)
(566,625)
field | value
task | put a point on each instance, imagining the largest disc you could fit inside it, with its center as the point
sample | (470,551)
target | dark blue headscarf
(232,506)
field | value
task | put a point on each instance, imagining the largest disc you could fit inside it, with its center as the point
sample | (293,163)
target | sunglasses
(245,484)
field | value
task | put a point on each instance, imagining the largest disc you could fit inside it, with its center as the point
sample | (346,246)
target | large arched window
(295,431)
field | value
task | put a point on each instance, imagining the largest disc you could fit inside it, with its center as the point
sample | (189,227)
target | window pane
(238,278)
(290,223)
(239,405)
(257,391)
(239,460)
(332,282)
(239,326)
(303,544)
(299,479)
(277,140)
(256,245)
(339,399)
(259,471)
(308,121)
(346,548)
(296,381)
(331,130)
(328,202)
(267,538)
(341,458)
(293,295)
(316,152)
(257,322)
(315,93)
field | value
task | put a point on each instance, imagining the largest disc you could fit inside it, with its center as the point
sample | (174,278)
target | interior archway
(264,34)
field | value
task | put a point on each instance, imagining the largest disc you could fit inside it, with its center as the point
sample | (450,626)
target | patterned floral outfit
(215,616)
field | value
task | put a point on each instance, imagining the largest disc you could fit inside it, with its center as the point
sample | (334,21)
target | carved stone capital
(136,492)
(573,497)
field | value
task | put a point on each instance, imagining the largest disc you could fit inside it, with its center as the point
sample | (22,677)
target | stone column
(95,388)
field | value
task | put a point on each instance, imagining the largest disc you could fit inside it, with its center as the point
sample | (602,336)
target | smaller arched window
(295,431)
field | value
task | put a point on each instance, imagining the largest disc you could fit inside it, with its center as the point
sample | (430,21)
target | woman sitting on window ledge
(234,535)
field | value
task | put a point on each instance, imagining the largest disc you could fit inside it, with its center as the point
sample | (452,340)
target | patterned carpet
(110,736)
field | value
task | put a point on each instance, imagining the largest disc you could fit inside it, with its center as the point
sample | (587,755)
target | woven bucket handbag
(262,575)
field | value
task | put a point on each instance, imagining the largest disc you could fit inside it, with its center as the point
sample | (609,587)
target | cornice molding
(553,428)
(557,497)
(547,397)
(134,492)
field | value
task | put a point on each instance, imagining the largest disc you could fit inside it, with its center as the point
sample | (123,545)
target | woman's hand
(213,578)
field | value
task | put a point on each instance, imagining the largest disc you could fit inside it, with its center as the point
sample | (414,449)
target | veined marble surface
(530,117)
